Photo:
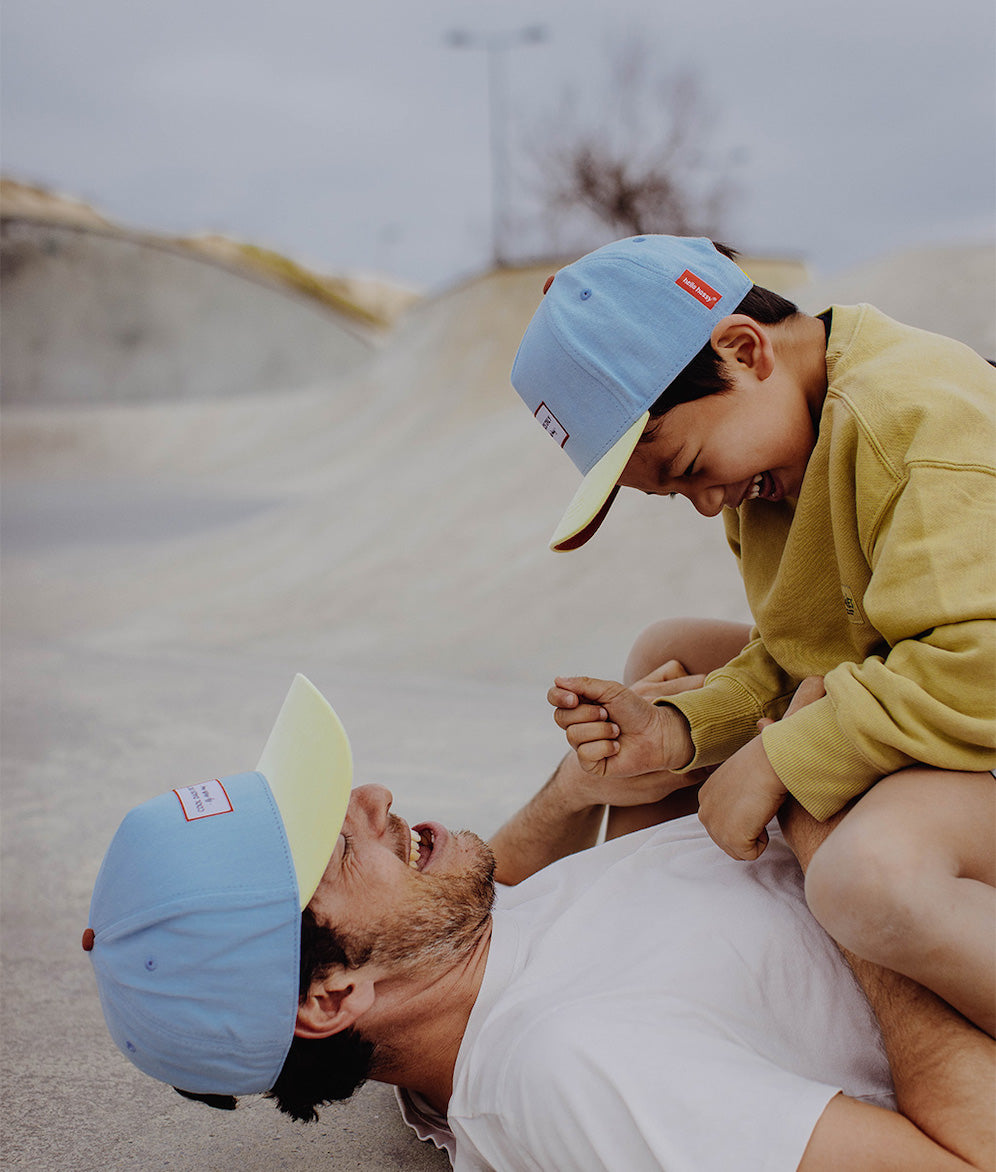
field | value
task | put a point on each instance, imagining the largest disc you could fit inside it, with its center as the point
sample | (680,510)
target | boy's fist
(742,796)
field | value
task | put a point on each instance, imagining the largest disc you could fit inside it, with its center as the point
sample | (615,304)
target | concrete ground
(167,567)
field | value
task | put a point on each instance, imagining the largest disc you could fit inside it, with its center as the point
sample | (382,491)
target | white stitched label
(204,800)
(551,424)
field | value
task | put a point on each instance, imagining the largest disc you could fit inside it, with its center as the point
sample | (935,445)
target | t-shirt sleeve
(575,1099)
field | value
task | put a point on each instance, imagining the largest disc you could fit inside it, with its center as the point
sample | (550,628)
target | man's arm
(943,1070)
(566,815)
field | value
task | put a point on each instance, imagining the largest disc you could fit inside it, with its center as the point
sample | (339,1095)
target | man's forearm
(557,822)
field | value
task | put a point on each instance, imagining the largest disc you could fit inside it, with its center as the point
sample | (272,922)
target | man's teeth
(755,486)
(413,850)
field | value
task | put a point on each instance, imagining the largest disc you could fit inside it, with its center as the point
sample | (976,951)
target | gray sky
(351,137)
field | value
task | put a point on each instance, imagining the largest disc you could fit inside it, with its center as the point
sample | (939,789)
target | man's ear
(744,344)
(333,1004)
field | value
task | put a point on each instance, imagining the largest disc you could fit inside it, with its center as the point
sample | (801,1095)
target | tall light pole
(497,45)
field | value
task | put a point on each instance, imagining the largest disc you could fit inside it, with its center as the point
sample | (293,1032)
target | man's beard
(443,922)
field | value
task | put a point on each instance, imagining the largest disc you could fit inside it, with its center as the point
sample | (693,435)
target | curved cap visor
(308,765)
(596,493)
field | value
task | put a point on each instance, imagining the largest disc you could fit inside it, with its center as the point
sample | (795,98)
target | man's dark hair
(316,1071)
(704,374)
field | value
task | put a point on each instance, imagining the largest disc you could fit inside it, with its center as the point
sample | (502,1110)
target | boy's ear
(333,1004)
(744,344)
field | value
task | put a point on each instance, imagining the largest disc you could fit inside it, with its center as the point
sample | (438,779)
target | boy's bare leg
(943,1069)
(699,646)
(908,881)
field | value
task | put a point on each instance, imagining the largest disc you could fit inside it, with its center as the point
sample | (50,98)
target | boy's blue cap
(613,331)
(195,919)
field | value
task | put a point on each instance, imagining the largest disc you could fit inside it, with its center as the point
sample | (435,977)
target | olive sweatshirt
(881,577)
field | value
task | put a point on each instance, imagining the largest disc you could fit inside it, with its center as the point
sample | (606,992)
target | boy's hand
(616,732)
(742,796)
(739,799)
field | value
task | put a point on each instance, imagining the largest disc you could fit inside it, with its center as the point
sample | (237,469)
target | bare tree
(640,164)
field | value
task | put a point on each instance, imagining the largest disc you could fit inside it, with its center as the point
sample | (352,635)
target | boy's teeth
(755,487)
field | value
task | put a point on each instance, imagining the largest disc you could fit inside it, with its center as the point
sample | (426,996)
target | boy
(854,462)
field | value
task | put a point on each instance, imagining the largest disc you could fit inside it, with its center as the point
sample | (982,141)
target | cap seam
(243,896)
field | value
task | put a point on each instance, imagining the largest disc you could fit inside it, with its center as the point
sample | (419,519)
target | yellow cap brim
(597,492)
(308,765)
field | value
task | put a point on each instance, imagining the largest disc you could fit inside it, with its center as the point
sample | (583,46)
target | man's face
(412,899)
(752,442)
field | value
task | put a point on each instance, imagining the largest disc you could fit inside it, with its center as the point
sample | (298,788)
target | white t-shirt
(653,1004)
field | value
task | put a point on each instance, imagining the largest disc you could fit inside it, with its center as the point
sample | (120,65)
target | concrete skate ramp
(167,566)
(407,512)
(943,288)
(92,315)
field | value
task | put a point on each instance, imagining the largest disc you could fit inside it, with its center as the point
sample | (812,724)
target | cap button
(88,938)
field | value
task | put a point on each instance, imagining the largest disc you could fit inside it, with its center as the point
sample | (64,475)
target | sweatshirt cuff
(721,719)
(815,762)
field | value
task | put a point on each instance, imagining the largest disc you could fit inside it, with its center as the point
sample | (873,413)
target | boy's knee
(700,645)
(653,646)
(861,886)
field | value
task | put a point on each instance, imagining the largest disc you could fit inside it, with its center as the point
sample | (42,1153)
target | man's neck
(417,1042)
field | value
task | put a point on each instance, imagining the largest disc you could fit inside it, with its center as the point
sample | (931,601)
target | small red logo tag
(698,289)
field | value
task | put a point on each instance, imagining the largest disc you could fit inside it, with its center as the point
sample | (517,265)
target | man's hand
(617,732)
(742,796)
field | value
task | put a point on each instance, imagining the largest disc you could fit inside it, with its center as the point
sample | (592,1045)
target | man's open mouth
(421,847)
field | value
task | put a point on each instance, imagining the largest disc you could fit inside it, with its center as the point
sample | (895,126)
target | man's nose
(372,803)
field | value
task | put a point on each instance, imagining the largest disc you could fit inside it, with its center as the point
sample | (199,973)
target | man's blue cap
(612,333)
(195,919)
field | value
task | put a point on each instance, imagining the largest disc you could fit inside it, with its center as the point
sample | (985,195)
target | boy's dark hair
(704,374)
(316,1071)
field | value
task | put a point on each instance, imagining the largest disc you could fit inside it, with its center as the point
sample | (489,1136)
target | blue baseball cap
(613,331)
(195,919)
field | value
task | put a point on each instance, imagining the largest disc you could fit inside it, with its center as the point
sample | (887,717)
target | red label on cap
(698,289)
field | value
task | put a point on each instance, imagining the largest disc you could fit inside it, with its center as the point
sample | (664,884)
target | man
(649,1003)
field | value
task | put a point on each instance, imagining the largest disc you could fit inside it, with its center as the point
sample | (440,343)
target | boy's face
(752,442)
